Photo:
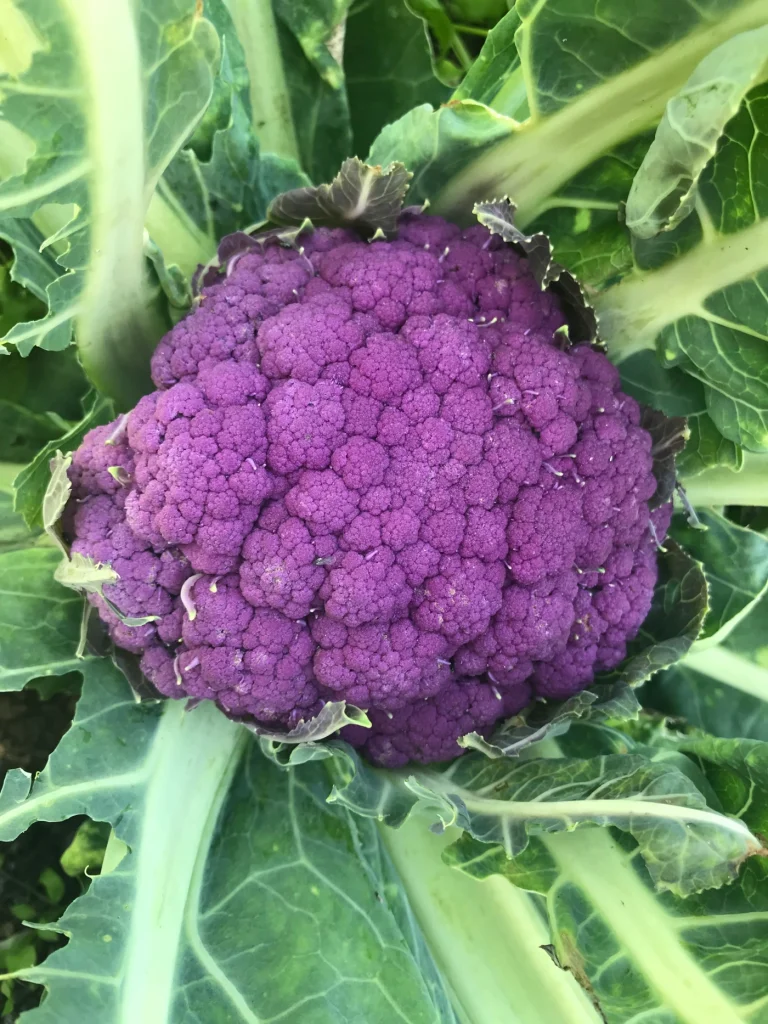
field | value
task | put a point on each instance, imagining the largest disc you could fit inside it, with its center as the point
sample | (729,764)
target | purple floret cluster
(373,472)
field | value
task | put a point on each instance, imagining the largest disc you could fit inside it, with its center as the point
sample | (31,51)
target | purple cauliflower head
(371,472)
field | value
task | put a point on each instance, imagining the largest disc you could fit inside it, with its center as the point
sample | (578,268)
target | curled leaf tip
(497,215)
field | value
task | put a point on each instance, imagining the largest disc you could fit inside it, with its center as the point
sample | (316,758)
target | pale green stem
(270,99)
(720,486)
(633,313)
(485,936)
(116,326)
(731,669)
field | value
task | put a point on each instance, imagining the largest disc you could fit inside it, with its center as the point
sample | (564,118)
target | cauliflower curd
(374,472)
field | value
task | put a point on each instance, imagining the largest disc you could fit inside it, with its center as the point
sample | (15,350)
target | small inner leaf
(367,198)
(545,721)
(497,216)
(56,497)
(330,719)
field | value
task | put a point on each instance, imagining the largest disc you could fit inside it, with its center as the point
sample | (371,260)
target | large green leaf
(642,956)
(94,114)
(14,532)
(503,803)
(677,394)
(735,561)
(387,67)
(39,619)
(221,181)
(496,76)
(597,74)
(435,143)
(664,190)
(230,890)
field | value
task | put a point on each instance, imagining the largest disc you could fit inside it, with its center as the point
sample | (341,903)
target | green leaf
(222,181)
(385,81)
(596,75)
(32,482)
(678,394)
(450,56)
(435,144)
(640,955)
(664,190)
(705,310)
(678,610)
(39,620)
(14,532)
(545,721)
(502,803)
(94,118)
(496,76)
(38,395)
(718,691)
(735,561)
(311,35)
(360,196)
(223,882)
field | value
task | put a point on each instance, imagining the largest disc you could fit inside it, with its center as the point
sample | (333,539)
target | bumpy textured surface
(372,472)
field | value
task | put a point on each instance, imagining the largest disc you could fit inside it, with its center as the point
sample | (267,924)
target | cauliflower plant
(374,472)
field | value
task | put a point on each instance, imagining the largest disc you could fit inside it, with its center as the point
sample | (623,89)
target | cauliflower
(372,472)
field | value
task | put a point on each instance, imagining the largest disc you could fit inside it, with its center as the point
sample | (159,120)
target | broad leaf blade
(387,80)
(233,874)
(640,955)
(735,561)
(664,190)
(502,803)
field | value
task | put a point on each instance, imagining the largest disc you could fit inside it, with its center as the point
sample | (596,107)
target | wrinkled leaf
(664,190)
(235,923)
(332,716)
(360,196)
(548,720)
(503,803)
(56,497)
(498,217)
